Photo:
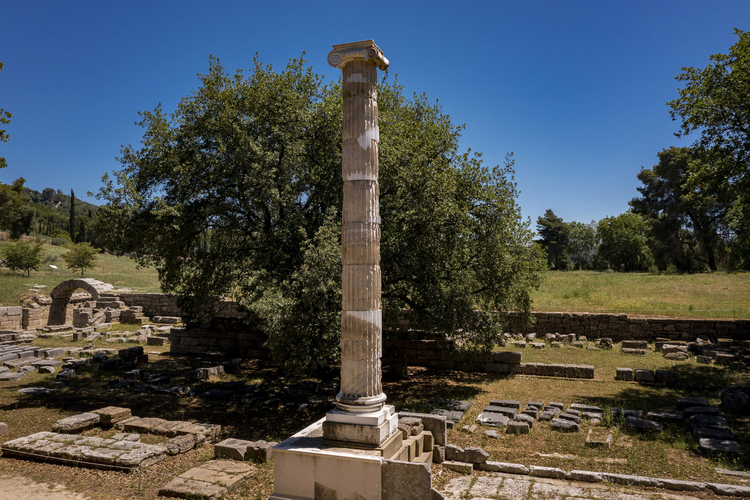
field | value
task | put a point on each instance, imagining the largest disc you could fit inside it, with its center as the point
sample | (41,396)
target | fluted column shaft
(361,315)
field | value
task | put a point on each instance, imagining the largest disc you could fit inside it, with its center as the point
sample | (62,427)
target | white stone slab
(374,418)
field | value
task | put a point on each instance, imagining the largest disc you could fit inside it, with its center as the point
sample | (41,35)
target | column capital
(366,49)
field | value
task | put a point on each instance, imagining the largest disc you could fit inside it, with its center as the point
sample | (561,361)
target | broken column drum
(361,315)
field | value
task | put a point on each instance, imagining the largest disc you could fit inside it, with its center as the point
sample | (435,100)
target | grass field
(715,295)
(119,271)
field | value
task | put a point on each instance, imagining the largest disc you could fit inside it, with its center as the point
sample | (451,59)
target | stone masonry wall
(11,318)
(223,335)
(162,304)
(620,327)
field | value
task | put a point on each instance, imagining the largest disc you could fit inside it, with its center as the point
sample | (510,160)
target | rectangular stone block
(110,415)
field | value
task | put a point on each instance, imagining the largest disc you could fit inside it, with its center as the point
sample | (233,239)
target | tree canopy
(239,193)
(686,218)
(624,243)
(5,117)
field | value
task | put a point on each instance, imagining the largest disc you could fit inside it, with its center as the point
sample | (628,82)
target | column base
(363,430)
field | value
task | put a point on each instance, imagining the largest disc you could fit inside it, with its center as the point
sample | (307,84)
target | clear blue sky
(576,89)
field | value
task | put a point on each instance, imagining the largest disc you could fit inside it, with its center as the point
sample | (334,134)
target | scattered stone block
(584,476)
(491,433)
(555,404)
(508,357)
(156,341)
(462,467)
(127,436)
(562,425)
(507,468)
(508,412)
(506,403)
(516,427)
(475,455)
(492,419)
(678,356)
(683,403)
(522,417)
(548,472)
(642,424)
(665,416)
(700,410)
(12,376)
(712,433)
(704,360)
(634,344)
(209,481)
(627,479)
(142,425)
(110,415)
(570,417)
(719,445)
(35,391)
(624,374)
(3,428)
(538,345)
(556,344)
(454,453)
(634,352)
(76,423)
(642,375)
(181,444)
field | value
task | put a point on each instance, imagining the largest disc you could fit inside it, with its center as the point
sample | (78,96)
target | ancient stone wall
(223,335)
(163,304)
(11,318)
(620,327)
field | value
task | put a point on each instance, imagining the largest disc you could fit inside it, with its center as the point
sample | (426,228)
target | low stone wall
(163,304)
(11,318)
(223,335)
(620,327)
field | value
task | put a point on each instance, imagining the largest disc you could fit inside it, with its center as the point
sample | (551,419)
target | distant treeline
(50,213)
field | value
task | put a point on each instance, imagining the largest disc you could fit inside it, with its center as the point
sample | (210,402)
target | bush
(80,256)
(23,256)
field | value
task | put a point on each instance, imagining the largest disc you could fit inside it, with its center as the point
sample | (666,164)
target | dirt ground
(21,488)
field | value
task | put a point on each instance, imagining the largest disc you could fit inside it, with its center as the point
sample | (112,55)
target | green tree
(554,239)
(15,215)
(80,256)
(714,103)
(582,244)
(5,117)
(23,256)
(239,193)
(686,218)
(624,243)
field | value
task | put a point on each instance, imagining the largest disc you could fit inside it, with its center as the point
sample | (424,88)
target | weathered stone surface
(508,468)
(462,467)
(505,403)
(491,433)
(515,427)
(624,374)
(402,480)
(634,344)
(260,451)
(35,391)
(475,455)
(438,454)
(142,425)
(508,357)
(719,445)
(634,352)
(564,425)
(676,485)
(678,356)
(436,424)
(642,424)
(12,376)
(642,375)
(549,472)
(627,479)
(508,412)
(110,415)
(583,475)
(729,489)
(683,403)
(182,444)
(454,453)
(76,423)
(522,417)
(225,473)
(571,417)
(699,410)
(735,400)
(187,488)
(493,419)
(665,416)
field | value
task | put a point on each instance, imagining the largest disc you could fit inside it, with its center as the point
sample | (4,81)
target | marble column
(361,315)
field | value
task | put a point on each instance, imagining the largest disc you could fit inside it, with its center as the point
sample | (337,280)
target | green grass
(715,295)
(119,271)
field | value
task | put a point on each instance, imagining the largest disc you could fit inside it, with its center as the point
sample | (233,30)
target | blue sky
(576,89)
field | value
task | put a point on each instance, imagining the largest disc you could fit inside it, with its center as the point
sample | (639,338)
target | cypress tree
(72,218)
